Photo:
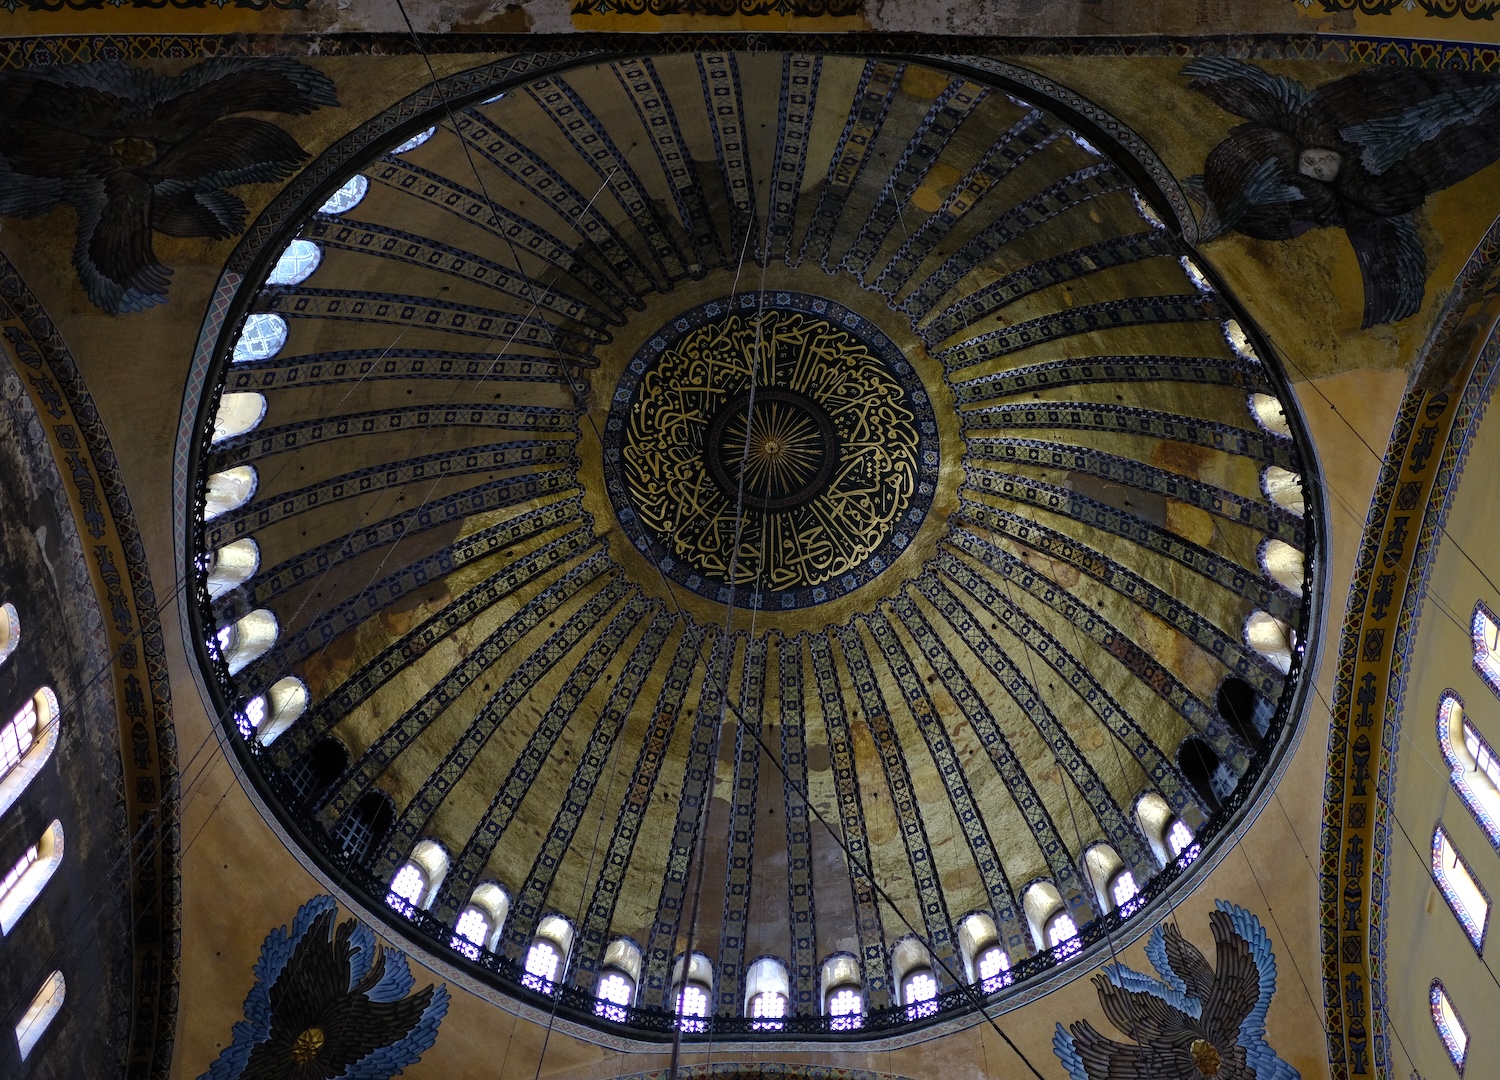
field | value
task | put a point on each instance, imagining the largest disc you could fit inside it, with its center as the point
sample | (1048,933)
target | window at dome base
(547,958)
(346,197)
(10,631)
(480,924)
(618,977)
(25,881)
(1486,633)
(767,993)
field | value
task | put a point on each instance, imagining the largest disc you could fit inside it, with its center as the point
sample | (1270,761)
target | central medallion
(771,450)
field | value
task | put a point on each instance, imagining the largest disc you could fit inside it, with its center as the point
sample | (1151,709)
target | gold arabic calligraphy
(825,473)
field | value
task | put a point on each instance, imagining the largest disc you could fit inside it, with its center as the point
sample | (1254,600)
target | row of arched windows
(1475,777)
(416,884)
(27,740)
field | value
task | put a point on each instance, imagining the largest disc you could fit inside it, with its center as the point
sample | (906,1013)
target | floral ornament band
(134,152)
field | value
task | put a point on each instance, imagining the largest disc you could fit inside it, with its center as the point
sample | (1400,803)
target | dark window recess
(1246,712)
(312,775)
(1212,779)
(363,829)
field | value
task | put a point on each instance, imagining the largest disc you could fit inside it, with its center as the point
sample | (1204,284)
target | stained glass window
(296,263)
(994,969)
(414,142)
(262,336)
(1179,836)
(1062,935)
(1122,890)
(846,1006)
(692,1002)
(616,992)
(347,197)
(407,888)
(542,960)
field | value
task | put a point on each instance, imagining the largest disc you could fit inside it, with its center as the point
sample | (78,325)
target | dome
(753,505)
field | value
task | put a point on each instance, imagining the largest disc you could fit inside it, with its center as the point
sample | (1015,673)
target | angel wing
(1393,264)
(1231,918)
(1247,90)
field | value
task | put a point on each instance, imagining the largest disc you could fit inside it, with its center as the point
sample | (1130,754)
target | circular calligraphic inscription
(771,450)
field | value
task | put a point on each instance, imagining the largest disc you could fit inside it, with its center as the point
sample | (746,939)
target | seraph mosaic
(330,1003)
(1361,153)
(1198,1020)
(135,152)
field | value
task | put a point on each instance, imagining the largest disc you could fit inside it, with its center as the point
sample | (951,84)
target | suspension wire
(724,647)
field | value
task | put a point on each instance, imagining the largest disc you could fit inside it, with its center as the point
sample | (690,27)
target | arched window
(843,999)
(1154,817)
(26,743)
(1456,882)
(1180,838)
(916,979)
(547,958)
(1269,415)
(10,631)
(229,490)
(1284,488)
(1196,275)
(363,828)
(247,639)
(1272,638)
(1486,634)
(1246,712)
(1449,1027)
(1284,565)
(985,962)
(416,884)
(46,1005)
(619,975)
(1476,772)
(767,992)
(413,142)
(277,709)
(1052,927)
(692,989)
(29,876)
(232,566)
(238,413)
(479,925)
(347,197)
(1239,341)
(261,338)
(1114,885)
(313,774)
(296,263)
(1211,778)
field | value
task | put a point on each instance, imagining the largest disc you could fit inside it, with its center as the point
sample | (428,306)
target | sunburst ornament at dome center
(777,450)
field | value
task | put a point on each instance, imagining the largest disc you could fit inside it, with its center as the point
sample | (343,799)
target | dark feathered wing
(1393,265)
(1248,91)
(1187,963)
(1236,987)
(113,254)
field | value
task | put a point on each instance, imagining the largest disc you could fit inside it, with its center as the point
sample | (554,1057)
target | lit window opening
(413,142)
(616,993)
(620,974)
(261,338)
(546,958)
(229,490)
(1456,882)
(1270,415)
(846,1006)
(1123,890)
(29,876)
(692,983)
(767,993)
(1475,772)
(1449,1027)
(479,924)
(238,414)
(1179,837)
(919,991)
(1062,935)
(347,197)
(1284,488)
(296,264)
(417,882)
(26,744)
(994,969)
(10,631)
(40,1013)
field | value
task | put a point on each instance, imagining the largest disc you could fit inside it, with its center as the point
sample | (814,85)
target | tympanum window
(1449,1027)
(26,743)
(1451,872)
(26,879)
(1475,771)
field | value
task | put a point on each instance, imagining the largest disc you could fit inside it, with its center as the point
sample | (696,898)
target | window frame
(1474,932)
(1487,817)
(1437,996)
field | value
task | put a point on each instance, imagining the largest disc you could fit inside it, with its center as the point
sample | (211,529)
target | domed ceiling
(764,503)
